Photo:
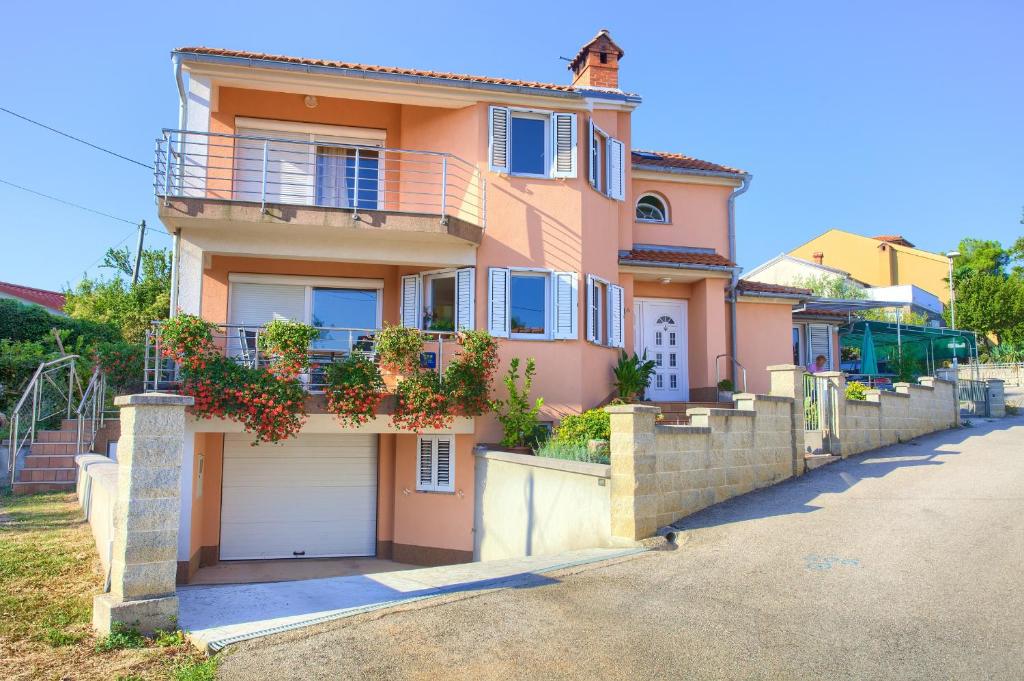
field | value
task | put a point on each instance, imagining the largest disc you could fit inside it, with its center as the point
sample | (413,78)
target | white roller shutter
(465,299)
(616,317)
(499,122)
(412,295)
(565,305)
(498,302)
(257,304)
(616,169)
(291,167)
(311,496)
(819,342)
(564,145)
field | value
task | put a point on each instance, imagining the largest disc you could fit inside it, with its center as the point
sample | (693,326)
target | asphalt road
(903,564)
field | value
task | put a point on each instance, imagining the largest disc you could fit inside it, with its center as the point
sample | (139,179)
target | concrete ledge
(154,399)
(597,470)
(676,429)
(632,409)
(146,615)
(715,411)
(761,398)
(866,403)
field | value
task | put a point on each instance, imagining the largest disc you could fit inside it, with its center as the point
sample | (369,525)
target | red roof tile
(330,63)
(664,159)
(670,257)
(894,239)
(745,285)
(48,299)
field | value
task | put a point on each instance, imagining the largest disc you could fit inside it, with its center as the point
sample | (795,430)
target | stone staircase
(674,413)
(50,462)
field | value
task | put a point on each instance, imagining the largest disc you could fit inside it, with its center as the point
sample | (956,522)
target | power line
(67,203)
(77,139)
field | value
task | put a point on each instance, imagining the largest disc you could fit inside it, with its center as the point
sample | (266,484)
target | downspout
(175,260)
(182,100)
(176,237)
(744,186)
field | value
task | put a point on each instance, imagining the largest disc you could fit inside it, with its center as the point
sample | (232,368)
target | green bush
(121,636)
(577,429)
(18,361)
(570,451)
(20,322)
(124,365)
(633,375)
(398,348)
(516,414)
(855,390)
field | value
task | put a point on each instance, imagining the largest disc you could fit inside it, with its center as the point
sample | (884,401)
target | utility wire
(77,139)
(67,203)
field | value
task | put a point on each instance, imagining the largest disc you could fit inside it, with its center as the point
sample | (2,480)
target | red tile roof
(330,63)
(894,239)
(671,257)
(745,285)
(48,299)
(665,159)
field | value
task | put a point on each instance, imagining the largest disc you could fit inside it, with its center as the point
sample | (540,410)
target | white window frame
(665,209)
(597,310)
(548,144)
(533,272)
(310,283)
(428,297)
(601,158)
(433,485)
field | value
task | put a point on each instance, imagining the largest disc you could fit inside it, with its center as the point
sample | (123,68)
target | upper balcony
(254,182)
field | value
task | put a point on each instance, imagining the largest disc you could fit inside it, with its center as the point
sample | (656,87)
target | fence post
(834,410)
(634,493)
(788,381)
(996,398)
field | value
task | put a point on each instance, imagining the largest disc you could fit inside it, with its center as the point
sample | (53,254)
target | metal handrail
(735,365)
(91,409)
(43,377)
(355,177)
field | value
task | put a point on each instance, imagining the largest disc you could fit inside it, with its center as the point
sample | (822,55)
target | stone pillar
(788,381)
(837,403)
(996,398)
(144,561)
(634,493)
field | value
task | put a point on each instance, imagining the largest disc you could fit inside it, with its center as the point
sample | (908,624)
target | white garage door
(311,496)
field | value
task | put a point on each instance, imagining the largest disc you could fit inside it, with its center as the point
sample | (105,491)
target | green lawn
(49,572)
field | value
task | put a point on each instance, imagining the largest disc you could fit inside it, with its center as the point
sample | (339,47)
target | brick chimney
(597,62)
(819,257)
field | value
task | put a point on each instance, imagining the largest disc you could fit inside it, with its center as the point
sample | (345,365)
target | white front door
(661,333)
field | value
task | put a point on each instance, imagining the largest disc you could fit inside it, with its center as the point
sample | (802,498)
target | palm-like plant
(633,375)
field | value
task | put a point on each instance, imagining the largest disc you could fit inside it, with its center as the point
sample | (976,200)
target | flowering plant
(287,343)
(123,363)
(467,378)
(187,339)
(421,403)
(398,348)
(354,389)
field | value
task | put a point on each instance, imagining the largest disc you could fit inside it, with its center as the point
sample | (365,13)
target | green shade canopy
(920,341)
(868,358)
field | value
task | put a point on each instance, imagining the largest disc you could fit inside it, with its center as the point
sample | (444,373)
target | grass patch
(49,573)
(570,451)
(195,670)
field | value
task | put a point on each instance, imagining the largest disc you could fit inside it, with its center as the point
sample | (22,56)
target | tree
(831,286)
(990,304)
(128,307)
(981,255)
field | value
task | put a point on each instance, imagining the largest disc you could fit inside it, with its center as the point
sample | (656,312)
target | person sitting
(820,364)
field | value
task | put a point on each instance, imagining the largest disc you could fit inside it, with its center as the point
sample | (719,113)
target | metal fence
(299,170)
(819,405)
(973,397)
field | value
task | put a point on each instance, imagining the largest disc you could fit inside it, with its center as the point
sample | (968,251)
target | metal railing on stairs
(91,412)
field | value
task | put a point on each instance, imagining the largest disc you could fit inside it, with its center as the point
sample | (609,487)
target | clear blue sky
(877,117)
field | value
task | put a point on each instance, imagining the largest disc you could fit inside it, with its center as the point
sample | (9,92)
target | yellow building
(886,260)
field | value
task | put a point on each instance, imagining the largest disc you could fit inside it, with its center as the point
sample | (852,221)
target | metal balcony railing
(305,172)
(241,343)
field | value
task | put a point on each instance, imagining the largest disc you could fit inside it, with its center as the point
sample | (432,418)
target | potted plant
(398,349)
(518,417)
(633,375)
(725,390)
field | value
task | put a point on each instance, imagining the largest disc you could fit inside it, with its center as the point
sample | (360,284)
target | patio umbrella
(868,358)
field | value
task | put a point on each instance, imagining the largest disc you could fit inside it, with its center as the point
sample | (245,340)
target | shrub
(578,429)
(570,451)
(633,375)
(18,361)
(287,343)
(517,416)
(124,365)
(855,390)
(467,378)
(420,403)
(398,348)
(354,389)
(726,385)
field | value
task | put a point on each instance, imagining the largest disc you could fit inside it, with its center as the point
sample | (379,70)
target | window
(435,463)
(340,308)
(338,171)
(532,143)
(604,312)
(439,304)
(797,355)
(651,208)
(532,304)
(442,300)
(607,157)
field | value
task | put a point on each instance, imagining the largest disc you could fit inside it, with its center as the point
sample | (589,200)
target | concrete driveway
(903,564)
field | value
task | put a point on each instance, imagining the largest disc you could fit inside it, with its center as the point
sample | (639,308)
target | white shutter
(616,317)
(444,464)
(497,302)
(564,143)
(412,295)
(593,313)
(465,299)
(425,465)
(498,125)
(819,342)
(291,167)
(616,169)
(592,169)
(257,304)
(565,304)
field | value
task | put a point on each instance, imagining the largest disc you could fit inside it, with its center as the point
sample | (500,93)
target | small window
(435,463)
(528,304)
(651,208)
(439,303)
(528,144)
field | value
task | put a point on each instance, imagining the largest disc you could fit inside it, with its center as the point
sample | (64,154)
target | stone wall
(97,495)
(528,505)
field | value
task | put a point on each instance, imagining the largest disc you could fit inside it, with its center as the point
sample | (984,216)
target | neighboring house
(51,300)
(886,260)
(350,196)
(787,270)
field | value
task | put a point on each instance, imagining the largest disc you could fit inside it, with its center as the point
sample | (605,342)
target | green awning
(920,341)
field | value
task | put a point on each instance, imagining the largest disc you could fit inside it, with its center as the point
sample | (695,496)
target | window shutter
(592,309)
(592,170)
(819,342)
(465,299)
(564,141)
(444,480)
(412,287)
(499,124)
(425,465)
(616,317)
(565,304)
(616,169)
(497,302)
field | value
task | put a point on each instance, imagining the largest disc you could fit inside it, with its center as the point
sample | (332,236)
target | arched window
(651,208)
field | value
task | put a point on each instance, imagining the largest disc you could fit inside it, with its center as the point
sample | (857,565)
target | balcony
(253,183)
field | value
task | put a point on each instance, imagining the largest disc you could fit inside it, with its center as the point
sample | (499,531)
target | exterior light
(311,101)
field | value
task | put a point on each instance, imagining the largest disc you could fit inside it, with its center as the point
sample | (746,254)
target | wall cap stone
(785,367)
(677,429)
(632,409)
(889,393)
(597,470)
(715,411)
(994,380)
(761,398)
(154,400)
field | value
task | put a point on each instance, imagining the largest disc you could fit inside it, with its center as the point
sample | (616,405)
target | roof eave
(678,265)
(690,171)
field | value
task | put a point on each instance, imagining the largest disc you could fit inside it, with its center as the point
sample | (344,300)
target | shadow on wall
(796,495)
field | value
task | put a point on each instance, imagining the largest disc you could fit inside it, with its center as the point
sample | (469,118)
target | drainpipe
(744,186)
(176,237)
(182,100)
(175,261)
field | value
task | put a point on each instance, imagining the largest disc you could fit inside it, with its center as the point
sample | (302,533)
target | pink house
(350,196)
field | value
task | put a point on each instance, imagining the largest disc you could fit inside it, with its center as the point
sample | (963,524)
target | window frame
(547,144)
(599,158)
(546,276)
(665,209)
(427,292)
(433,487)
(597,311)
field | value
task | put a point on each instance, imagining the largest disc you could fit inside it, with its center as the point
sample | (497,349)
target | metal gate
(820,406)
(973,397)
